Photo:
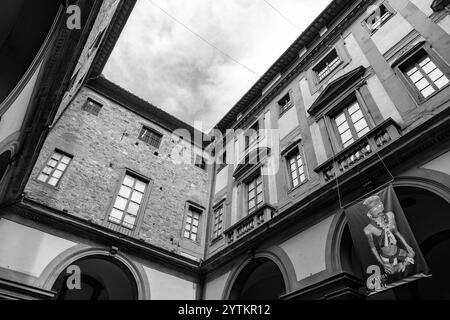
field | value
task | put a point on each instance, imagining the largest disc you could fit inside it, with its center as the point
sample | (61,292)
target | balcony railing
(249,223)
(361,149)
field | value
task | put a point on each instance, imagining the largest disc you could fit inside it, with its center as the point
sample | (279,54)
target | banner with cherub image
(384,242)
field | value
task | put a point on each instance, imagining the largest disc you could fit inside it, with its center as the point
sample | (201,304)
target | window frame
(346,102)
(248,144)
(405,61)
(95,102)
(63,153)
(297,149)
(388,9)
(289,105)
(332,71)
(217,208)
(141,212)
(252,178)
(200,210)
(153,131)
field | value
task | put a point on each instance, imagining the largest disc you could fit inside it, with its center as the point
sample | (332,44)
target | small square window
(285,103)
(54,169)
(327,65)
(92,107)
(150,136)
(378,17)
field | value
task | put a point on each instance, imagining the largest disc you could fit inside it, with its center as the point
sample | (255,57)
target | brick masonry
(103,147)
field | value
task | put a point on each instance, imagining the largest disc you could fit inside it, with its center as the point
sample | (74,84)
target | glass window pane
(427,91)
(137,196)
(65,159)
(259,199)
(347,135)
(424,61)
(52,163)
(441,82)
(356,116)
(343,127)
(188,220)
(430,66)
(56,156)
(302,178)
(133,208)
(128,181)
(295,182)
(422,84)
(416,76)
(120,203)
(57,174)
(194,229)
(411,71)
(42,177)
(47,170)
(130,220)
(353,108)
(193,237)
(62,166)
(363,132)
(436,74)
(125,191)
(361,124)
(140,186)
(186,234)
(53,181)
(195,222)
(340,119)
(116,214)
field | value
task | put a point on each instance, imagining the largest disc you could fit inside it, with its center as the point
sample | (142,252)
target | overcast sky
(157,59)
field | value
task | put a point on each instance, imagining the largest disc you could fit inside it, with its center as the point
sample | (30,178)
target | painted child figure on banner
(383,237)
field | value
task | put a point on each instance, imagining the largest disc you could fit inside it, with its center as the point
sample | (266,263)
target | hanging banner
(384,242)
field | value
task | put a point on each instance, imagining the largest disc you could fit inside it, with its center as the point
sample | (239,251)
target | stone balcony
(360,150)
(253,221)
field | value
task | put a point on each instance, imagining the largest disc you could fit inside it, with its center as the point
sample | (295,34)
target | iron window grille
(150,136)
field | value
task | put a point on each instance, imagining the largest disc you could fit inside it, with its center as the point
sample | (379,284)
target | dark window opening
(285,103)
(327,65)
(150,136)
(92,107)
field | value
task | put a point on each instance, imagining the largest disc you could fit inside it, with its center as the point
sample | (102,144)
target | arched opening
(429,218)
(101,278)
(260,279)
(24,25)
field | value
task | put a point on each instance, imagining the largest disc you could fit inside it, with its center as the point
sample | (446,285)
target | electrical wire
(282,15)
(205,40)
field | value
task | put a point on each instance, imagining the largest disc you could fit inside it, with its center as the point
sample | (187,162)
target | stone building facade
(358,101)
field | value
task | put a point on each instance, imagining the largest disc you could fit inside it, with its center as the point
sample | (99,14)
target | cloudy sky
(159,60)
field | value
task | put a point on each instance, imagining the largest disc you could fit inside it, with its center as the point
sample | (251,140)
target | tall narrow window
(351,124)
(222,161)
(296,168)
(128,201)
(218,222)
(252,136)
(192,222)
(55,167)
(150,136)
(92,106)
(424,74)
(255,193)
(327,65)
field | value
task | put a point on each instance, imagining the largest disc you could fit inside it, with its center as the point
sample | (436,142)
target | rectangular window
(255,193)
(296,168)
(285,103)
(425,76)
(55,168)
(252,135)
(378,18)
(200,162)
(218,222)
(327,65)
(192,222)
(128,201)
(351,124)
(150,136)
(92,106)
